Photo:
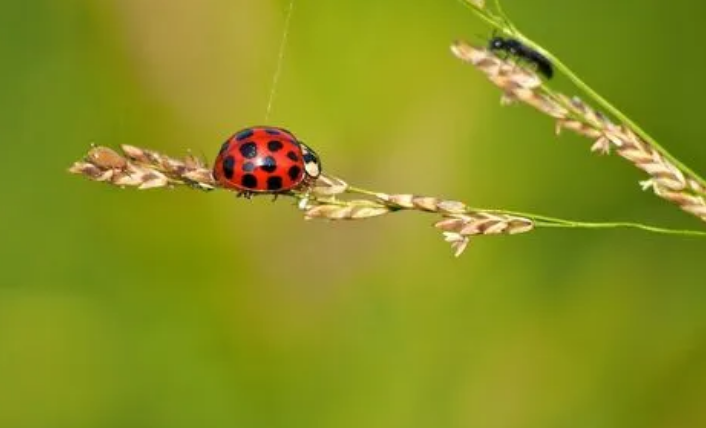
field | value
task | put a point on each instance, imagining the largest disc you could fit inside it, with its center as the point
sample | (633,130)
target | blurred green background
(121,308)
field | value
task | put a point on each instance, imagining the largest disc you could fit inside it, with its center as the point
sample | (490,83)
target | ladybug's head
(312,164)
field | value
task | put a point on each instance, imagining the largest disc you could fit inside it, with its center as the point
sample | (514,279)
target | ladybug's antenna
(280,58)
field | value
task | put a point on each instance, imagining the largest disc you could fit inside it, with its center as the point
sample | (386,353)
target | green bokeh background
(121,308)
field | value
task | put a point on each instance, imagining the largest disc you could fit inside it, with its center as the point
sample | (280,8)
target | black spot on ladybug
(272,131)
(274,146)
(310,158)
(249,181)
(244,134)
(248,167)
(269,164)
(274,183)
(293,156)
(228,167)
(248,150)
(294,172)
(224,147)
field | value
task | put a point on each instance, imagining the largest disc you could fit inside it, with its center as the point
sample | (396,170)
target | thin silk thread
(280,58)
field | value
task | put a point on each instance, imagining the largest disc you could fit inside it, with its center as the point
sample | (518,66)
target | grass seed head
(143,169)
(666,179)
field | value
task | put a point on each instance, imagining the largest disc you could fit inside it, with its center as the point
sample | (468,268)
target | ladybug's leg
(278,194)
(245,194)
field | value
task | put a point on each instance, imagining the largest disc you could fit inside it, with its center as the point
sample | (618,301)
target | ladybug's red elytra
(264,159)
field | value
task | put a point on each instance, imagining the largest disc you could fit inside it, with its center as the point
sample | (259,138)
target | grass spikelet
(349,210)
(458,228)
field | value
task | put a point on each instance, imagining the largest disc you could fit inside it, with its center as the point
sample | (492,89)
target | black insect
(525,53)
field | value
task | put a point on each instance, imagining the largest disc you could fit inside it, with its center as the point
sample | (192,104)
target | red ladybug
(264,159)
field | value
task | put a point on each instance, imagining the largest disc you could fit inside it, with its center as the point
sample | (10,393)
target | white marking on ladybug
(312,164)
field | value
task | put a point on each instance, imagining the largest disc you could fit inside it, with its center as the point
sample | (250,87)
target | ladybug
(264,160)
